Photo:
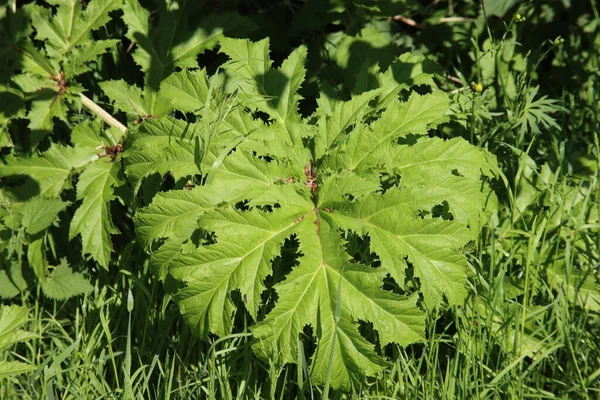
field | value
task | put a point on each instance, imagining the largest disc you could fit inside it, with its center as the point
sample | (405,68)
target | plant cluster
(346,198)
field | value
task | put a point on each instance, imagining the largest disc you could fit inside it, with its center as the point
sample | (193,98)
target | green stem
(99,111)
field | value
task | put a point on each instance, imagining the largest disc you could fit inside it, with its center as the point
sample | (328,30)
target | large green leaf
(311,183)
(333,126)
(186,90)
(185,149)
(92,220)
(271,90)
(64,283)
(375,146)
(39,213)
(172,216)
(126,98)
(71,26)
(49,170)
(166,145)
(43,111)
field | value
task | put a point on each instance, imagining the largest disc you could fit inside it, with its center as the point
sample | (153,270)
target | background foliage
(76,187)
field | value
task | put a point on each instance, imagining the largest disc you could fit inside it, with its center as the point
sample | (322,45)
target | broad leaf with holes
(314,183)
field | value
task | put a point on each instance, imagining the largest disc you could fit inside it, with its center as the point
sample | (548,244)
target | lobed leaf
(63,283)
(186,90)
(165,145)
(72,25)
(92,220)
(309,182)
(49,170)
(126,98)
(39,213)
(172,216)
(271,90)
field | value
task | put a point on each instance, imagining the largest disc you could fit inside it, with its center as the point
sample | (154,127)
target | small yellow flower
(478,87)
(519,18)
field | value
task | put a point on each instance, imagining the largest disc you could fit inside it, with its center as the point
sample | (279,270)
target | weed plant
(524,83)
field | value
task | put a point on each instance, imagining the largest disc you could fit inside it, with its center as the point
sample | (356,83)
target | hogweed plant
(317,228)
(261,179)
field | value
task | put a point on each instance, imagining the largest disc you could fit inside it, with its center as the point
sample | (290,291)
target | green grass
(529,329)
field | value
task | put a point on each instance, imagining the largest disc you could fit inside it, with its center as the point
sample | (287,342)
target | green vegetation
(307,199)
